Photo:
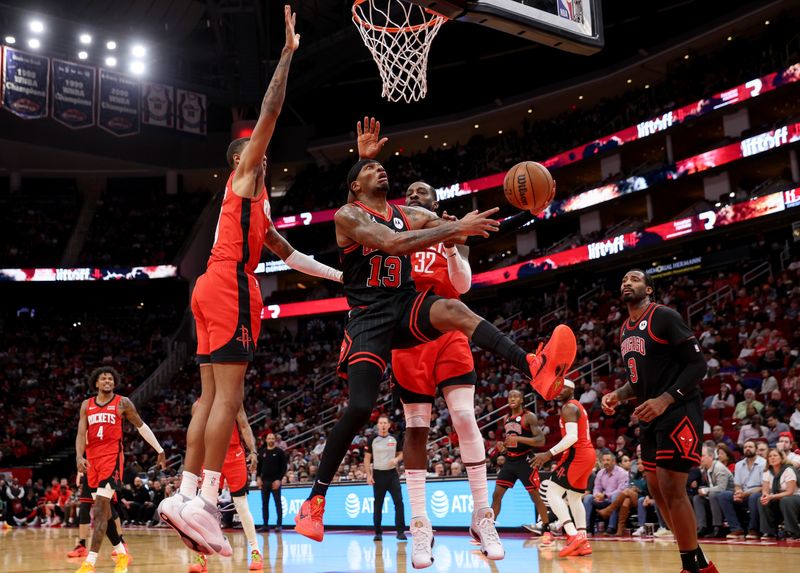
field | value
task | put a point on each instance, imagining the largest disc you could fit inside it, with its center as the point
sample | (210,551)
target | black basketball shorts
(673,441)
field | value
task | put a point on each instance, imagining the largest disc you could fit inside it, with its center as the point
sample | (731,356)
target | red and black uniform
(104,443)
(576,463)
(226,302)
(447,361)
(662,355)
(386,312)
(517,466)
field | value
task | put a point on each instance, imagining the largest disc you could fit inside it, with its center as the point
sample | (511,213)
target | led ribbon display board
(88,274)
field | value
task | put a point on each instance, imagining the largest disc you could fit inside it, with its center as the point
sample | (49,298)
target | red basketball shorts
(446,361)
(105,470)
(226,304)
(574,469)
(234,471)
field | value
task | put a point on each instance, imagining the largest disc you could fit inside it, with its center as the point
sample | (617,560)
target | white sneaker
(535,528)
(421,543)
(483,528)
(170,512)
(202,520)
(663,532)
(639,532)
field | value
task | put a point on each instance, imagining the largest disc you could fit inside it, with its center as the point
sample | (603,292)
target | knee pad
(417,415)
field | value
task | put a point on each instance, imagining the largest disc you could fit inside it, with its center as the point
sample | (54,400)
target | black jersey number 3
(632,370)
(384,271)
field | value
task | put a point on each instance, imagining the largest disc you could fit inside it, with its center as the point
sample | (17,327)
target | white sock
(248,525)
(478,486)
(555,495)
(415,482)
(120,549)
(92,558)
(575,502)
(210,489)
(189,484)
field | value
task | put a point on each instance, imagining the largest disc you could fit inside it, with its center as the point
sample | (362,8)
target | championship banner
(25,83)
(73,94)
(158,105)
(89,274)
(118,111)
(192,116)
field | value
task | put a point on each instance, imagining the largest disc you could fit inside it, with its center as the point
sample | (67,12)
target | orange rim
(395,30)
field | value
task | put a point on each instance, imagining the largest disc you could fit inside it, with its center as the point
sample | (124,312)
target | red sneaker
(574,545)
(308,520)
(550,364)
(79,551)
(710,569)
(584,550)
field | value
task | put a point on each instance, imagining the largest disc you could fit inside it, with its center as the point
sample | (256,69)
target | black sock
(121,538)
(318,488)
(702,562)
(545,527)
(488,337)
(689,561)
(82,542)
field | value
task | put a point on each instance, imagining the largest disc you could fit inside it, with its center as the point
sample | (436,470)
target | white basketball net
(399,36)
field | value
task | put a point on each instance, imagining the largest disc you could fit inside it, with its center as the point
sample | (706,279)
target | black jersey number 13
(384,271)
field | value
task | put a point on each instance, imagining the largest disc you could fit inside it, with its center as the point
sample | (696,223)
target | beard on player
(420,194)
(635,287)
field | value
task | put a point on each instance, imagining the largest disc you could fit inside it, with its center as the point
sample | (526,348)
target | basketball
(529,186)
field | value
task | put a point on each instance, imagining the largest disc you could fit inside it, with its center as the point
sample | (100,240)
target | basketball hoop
(399,36)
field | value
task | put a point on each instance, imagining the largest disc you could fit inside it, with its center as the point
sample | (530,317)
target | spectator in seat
(794,420)
(747,476)
(785,445)
(588,397)
(715,478)
(762,449)
(719,437)
(776,406)
(774,430)
(725,456)
(780,497)
(768,383)
(609,483)
(749,400)
(754,430)
(723,398)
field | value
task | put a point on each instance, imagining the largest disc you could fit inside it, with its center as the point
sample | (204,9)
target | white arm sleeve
(150,437)
(459,270)
(570,438)
(305,264)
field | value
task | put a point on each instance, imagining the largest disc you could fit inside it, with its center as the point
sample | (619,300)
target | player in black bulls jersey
(522,434)
(665,368)
(375,240)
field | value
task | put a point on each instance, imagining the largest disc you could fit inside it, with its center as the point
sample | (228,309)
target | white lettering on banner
(652,126)
(605,248)
(306,217)
(708,218)
(274,310)
(450,192)
(294,506)
(273,267)
(765,141)
(674,266)
(284,506)
(754,86)
(73,274)
(440,503)
(790,197)
(351,505)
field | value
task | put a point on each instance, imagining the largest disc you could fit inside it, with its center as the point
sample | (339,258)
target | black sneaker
(401,536)
(278,528)
(378,536)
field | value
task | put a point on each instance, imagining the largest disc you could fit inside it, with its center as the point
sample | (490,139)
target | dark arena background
(671,127)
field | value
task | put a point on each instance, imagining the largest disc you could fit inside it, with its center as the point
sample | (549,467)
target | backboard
(571,25)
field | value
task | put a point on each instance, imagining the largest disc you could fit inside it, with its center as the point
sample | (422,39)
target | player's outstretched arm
(611,400)
(297,260)
(132,415)
(569,413)
(80,440)
(248,437)
(370,142)
(458,269)
(537,439)
(271,105)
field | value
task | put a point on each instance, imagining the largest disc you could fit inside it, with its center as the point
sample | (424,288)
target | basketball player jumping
(226,304)
(571,476)
(665,369)
(100,440)
(375,240)
(235,473)
(522,434)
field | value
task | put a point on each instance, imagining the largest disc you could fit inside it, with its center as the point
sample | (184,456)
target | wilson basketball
(529,186)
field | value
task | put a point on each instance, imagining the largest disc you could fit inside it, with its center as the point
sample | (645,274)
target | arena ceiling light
(85,39)
(111,45)
(10,40)
(111,61)
(36,26)
(83,54)
(136,68)
(34,43)
(138,51)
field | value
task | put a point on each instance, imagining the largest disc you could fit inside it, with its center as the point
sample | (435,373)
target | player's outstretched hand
(292,39)
(479,223)
(652,408)
(540,459)
(82,464)
(370,142)
(609,403)
(162,460)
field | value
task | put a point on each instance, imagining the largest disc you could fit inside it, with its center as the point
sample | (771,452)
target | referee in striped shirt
(384,451)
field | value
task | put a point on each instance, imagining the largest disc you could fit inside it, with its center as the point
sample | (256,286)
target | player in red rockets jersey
(571,475)
(226,304)
(99,439)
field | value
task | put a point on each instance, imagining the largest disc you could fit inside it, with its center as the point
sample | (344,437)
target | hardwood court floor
(160,551)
